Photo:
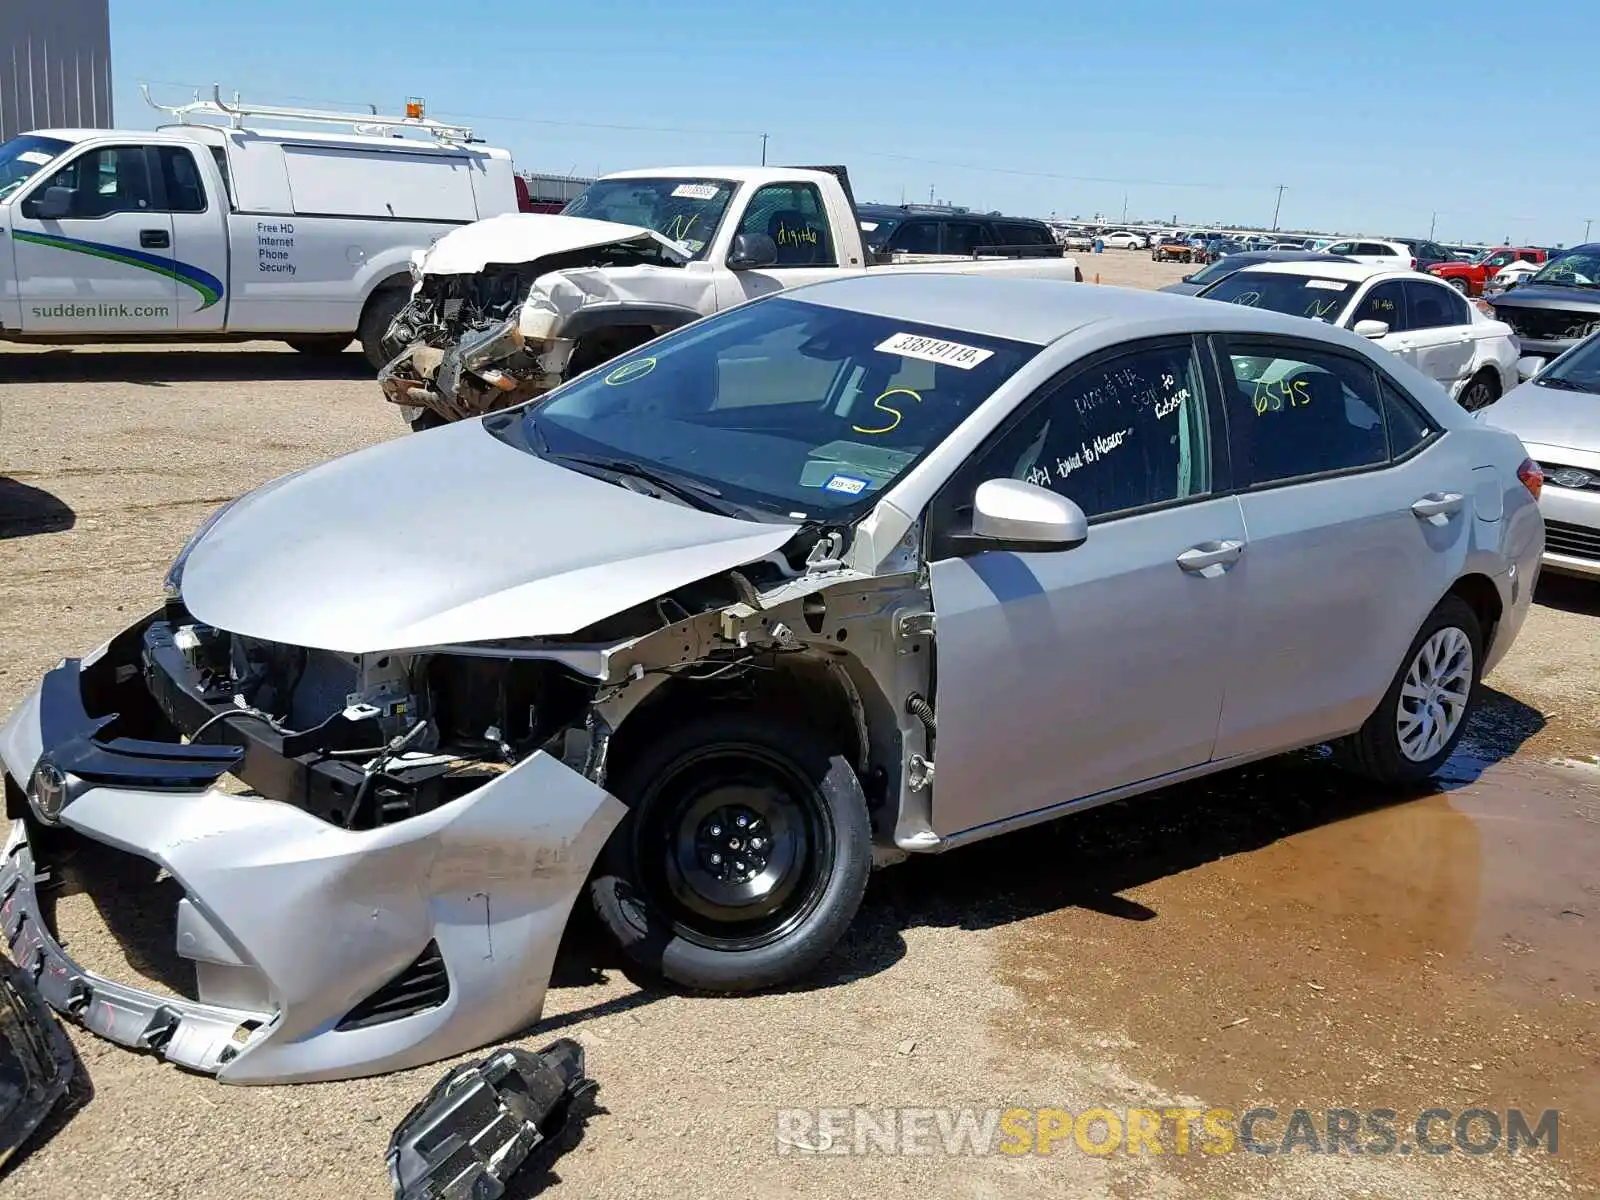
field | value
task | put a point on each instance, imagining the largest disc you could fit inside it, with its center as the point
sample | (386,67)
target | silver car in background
(1556,413)
(875,567)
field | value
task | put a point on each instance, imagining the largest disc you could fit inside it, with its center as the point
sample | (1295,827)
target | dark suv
(1425,252)
(893,231)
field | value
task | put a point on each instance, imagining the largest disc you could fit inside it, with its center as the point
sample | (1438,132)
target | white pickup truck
(197,232)
(509,307)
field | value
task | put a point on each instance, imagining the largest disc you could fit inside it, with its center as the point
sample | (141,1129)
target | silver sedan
(1556,413)
(877,567)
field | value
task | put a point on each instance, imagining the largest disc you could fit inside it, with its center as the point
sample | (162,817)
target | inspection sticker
(850,485)
(952,354)
(695,191)
(1327,285)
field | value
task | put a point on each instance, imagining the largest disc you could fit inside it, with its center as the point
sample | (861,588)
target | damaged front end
(487,328)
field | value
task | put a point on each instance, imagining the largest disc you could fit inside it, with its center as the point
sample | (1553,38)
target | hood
(1549,417)
(446,537)
(1552,295)
(524,237)
(1184,289)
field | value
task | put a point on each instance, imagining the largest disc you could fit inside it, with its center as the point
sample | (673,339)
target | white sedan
(1416,317)
(1123,240)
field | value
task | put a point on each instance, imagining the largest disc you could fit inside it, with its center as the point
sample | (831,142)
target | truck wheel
(383,306)
(320,345)
(1459,284)
(743,857)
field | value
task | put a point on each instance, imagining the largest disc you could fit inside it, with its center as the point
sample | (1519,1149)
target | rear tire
(383,306)
(1482,390)
(743,857)
(320,345)
(1426,709)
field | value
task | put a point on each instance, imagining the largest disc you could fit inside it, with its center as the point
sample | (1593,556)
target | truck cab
(199,231)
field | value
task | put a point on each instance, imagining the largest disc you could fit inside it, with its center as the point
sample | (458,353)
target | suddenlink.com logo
(1106,1131)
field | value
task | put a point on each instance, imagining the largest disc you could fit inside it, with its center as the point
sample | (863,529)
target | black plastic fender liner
(36,1060)
(478,1125)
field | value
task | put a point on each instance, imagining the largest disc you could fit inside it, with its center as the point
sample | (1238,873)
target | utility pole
(1587,221)
(1124,208)
(930,194)
(763,149)
(1432,221)
(1277,206)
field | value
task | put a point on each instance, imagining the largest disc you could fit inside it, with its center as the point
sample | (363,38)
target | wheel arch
(1483,597)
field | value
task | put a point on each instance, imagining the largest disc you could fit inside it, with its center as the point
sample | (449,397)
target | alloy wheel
(1433,698)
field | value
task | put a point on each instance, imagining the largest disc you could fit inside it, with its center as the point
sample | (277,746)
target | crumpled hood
(446,537)
(1547,416)
(524,237)
(1546,295)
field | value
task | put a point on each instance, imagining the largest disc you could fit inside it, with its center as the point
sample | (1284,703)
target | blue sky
(1457,108)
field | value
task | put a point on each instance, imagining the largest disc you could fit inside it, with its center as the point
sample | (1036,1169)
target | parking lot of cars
(1280,935)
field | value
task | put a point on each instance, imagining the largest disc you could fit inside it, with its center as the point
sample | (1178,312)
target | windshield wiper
(691,491)
(1565,385)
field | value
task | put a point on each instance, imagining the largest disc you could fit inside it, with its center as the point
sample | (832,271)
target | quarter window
(1127,433)
(791,214)
(1299,412)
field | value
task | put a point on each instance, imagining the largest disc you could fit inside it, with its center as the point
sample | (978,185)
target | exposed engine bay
(462,347)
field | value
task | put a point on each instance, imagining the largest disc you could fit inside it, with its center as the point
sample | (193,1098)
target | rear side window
(1297,412)
(1433,306)
(220,157)
(1020,234)
(966,237)
(1125,433)
(180,175)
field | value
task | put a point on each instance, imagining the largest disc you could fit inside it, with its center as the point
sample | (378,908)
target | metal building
(55,64)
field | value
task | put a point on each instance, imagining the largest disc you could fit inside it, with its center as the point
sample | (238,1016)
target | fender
(662,317)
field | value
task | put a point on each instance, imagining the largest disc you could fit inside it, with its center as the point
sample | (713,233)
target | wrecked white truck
(506,308)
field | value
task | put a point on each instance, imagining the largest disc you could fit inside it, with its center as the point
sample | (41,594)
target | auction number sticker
(1327,285)
(951,354)
(695,191)
(629,371)
(850,485)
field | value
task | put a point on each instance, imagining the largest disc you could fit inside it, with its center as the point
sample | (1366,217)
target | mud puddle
(1285,937)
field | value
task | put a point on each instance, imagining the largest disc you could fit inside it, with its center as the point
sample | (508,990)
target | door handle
(1435,507)
(154,239)
(1209,558)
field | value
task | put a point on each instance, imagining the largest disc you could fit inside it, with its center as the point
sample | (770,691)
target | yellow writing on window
(804,236)
(1284,393)
(681,226)
(894,414)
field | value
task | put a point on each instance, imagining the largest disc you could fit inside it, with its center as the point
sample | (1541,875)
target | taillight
(1532,476)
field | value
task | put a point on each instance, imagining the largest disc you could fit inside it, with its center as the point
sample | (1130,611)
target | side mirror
(1371,329)
(1529,366)
(751,251)
(1010,514)
(52,204)
(1187,278)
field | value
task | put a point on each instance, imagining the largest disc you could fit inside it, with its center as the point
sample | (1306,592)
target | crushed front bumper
(319,952)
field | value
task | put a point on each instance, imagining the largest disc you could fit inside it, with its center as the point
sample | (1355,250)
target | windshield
(798,410)
(875,230)
(1580,267)
(21,158)
(1295,295)
(1577,369)
(685,210)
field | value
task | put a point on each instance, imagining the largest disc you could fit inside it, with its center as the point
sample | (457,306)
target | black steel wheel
(743,857)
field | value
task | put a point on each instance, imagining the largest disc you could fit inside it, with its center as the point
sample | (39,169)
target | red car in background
(1468,278)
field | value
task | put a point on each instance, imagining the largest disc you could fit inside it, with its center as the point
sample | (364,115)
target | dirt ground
(1277,937)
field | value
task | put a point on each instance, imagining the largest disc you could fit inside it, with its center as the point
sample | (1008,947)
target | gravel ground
(1274,936)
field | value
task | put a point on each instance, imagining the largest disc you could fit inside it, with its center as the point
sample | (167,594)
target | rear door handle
(1436,507)
(1210,559)
(154,239)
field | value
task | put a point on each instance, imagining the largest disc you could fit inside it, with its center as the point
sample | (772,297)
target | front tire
(383,306)
(1460,285)
(1426,709)
(743,857)
(320,345)
(1482,390)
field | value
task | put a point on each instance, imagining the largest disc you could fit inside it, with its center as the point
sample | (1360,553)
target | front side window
(1125,434)
(917,237)
(686,210)
(1387,303)
(22,157)
(791,214)
(1302,412)
(798,410)
(1293,295)
(1497,260)
(112,179)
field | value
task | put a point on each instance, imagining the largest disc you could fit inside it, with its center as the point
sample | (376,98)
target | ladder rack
(372,124)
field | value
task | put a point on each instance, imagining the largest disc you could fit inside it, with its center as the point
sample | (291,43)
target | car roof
(1332,267)
(906,212)
(1036,311)
(1264,257)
